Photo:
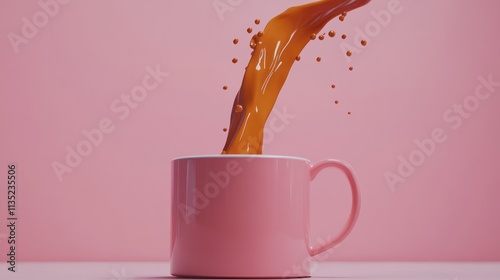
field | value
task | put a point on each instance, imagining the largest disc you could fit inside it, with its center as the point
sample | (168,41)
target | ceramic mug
(246,216)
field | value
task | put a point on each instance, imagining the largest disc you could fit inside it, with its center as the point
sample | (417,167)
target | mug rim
(240,156)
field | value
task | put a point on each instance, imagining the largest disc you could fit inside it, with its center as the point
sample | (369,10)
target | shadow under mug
(247,216)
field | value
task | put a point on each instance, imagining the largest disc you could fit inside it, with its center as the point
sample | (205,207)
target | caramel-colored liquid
(274,53)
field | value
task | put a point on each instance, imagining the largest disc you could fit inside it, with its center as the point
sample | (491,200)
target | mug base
(237,276)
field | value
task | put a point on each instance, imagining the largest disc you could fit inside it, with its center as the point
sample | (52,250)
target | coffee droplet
(331,33)
(224,87)
(238,108)
(297,57)
(260,34)
(318,59)
(363,42)
(235,41)
(321,37)
(257,21)
(333,85)
(350,68)
(294,25)
(344,13)
(344,36)
(348,113)
(348,53)
(224,129)
(249,30)
(235,60)
(253,44)
(341,18)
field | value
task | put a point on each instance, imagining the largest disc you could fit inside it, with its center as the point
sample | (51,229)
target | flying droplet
(331,33)
(336,102)
(235,60)
(224,129)
(341,18)
(249,30)
(351,68)
(238,108)
(253,44)
(297,57)
(313,36)
(344,36)
(235,41)
(257,21)
(318,59)
(333,85)
(321,37)
(348,53)
(363,42)
(224,87)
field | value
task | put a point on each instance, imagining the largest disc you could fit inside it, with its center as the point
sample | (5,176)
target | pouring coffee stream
(275,51)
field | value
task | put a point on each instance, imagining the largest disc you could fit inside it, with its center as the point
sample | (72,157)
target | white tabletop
(324,270)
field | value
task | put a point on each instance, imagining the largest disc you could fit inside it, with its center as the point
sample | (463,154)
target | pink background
(115,204)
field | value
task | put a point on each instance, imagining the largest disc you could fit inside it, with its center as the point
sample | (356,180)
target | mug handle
(353,216)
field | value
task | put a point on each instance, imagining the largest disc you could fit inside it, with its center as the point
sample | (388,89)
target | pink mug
(246,216)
